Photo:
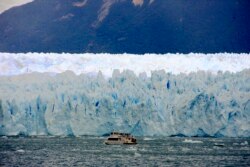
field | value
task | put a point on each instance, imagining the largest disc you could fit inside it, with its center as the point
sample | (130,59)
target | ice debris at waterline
(195,104)
(14,64)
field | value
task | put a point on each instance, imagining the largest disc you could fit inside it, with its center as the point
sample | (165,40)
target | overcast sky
(7,4)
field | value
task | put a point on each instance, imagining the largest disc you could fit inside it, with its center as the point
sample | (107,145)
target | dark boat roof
(118,133)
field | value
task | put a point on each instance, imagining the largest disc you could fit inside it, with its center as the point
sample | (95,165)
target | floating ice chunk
(192,141)
(148,139)
(244,143)
(20,151)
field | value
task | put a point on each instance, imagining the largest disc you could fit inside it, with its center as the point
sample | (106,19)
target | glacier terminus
(90,98)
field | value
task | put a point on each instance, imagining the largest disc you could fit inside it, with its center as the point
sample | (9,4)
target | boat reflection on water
(120,138)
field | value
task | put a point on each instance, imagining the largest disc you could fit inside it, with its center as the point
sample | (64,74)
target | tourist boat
(120,138)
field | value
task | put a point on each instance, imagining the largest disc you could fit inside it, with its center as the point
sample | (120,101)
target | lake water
(90,151)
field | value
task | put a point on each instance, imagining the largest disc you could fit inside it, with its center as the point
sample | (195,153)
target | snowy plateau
(147,95)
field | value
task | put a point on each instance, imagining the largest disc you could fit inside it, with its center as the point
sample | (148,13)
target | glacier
(76,95)
(91,64)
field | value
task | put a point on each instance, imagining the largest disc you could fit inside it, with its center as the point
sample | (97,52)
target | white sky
(7,4)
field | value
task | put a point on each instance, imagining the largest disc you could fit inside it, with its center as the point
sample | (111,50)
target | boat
(120,138)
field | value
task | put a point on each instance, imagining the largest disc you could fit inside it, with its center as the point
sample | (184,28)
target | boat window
(115,133)
(112,138)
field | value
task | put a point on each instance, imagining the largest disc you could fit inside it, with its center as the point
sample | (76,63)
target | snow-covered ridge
(15,64)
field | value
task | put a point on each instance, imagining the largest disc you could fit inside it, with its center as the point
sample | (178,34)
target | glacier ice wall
(15,64)
(194,104)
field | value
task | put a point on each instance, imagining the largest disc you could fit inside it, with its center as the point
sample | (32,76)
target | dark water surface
(90,151)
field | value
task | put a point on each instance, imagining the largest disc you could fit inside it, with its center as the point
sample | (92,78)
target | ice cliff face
(195,104)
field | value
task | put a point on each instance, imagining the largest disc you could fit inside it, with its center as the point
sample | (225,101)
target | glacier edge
(195,104)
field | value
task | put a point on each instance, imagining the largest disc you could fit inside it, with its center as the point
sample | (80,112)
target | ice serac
(195,104)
